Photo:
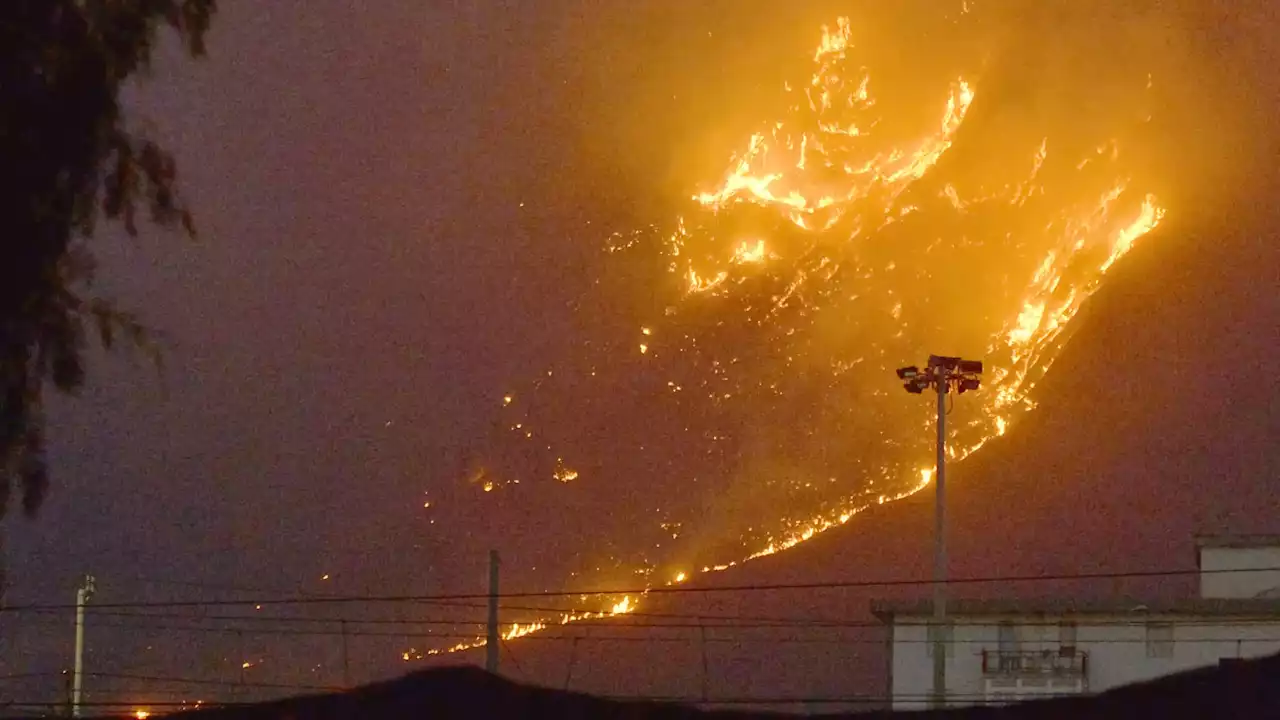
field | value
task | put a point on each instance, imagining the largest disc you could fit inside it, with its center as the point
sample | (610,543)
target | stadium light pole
(942,374)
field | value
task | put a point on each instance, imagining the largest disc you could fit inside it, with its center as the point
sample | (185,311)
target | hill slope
(1158,423)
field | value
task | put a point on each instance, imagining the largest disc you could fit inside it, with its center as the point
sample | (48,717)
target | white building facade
(1002,651)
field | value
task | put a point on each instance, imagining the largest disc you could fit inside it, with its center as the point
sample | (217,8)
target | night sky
(397,207)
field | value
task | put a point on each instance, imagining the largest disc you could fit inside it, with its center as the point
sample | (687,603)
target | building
(1003,650)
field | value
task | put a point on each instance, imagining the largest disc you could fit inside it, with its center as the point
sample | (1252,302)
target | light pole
(942,374)
(492,638)
(83,594)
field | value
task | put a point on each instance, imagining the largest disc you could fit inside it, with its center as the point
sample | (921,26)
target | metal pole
(239,690)
(573,657)
(83,593)
(491,642)
(346,666)
(706,680)
(940,547)
(66,675)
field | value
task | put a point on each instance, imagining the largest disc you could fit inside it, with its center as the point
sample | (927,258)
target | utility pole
(706,679)
(66,677)
(346,666)
(942,373)
(491,642)
(83,594)
(239,693)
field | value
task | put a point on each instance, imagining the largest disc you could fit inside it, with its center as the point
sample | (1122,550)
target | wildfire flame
(518,630)
(849,222)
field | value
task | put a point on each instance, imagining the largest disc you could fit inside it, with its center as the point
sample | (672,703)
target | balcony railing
(1061,662)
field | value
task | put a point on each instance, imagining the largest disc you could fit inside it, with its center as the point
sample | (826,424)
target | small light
(908,372)
(971,367)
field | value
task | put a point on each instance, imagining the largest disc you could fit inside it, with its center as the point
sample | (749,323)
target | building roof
(888,610)
(1237,541)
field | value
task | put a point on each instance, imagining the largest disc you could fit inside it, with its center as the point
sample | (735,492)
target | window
(1159,640)
(1067,637)
(937,632)
(1008,637)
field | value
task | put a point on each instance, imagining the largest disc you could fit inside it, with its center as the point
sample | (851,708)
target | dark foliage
(1241,690)
(69,161)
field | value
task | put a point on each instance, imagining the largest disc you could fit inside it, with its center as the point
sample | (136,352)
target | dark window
(1159,640)
(939,632)
(1067,637)
(1008,637)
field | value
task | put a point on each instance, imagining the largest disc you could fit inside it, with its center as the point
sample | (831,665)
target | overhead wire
(596,636)
(627,620)
(660,590)
(138,619)
(214,682)
(969,698)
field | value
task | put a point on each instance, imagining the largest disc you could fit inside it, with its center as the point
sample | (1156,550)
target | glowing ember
(564,474)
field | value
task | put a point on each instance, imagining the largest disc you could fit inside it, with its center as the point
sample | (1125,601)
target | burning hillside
(887,209)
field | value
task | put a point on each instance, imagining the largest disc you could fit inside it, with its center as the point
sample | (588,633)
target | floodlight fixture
(943,361)
(908,373)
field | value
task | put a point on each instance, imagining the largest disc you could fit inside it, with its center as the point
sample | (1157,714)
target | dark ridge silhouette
(1247,689)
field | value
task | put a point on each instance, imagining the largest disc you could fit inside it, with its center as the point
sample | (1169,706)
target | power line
(514,660)
(296,632)
(663,590)
(544,635)
(221,587)
(1082,644)
(969,698)
(621,621)
(478,621)
(26,676)
(213,682)
(279,619)
(767,700)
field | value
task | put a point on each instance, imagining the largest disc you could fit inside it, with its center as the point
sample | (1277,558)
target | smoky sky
(401,211)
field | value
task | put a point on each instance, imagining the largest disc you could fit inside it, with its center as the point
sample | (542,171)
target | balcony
(1065,662)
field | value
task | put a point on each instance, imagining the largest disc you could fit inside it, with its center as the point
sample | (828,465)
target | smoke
(731,388)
